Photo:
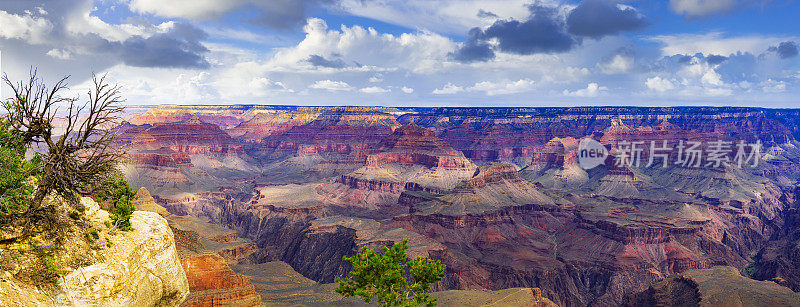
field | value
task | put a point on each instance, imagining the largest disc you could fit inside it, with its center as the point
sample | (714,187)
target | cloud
(448,89)
(281,14)
(374,90)
(617,64)
(265,84)
(542,32)
(376,78)
(716,59)
(698,76)
(195,88)
(545,30)
(701,8)
(333,86)
(785,50)
(659,85)
(59,54)
(24,27)
(407,90)
(492,88)
(318,60)
(441,16)
(772,86)
(486,14)
(713,43)
(474,49)
(69,30)
(374,51)
(591,90)
(598,18)
(179,47)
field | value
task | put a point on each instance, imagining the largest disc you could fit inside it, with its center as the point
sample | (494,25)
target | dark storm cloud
(785,49)
(542,32)
(545,31)
(474,48)
(318,60)
(598,18)
(180,47)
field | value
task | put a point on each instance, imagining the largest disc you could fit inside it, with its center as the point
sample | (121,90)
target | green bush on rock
(381,276)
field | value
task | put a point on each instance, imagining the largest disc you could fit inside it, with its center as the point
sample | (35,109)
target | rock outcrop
(264,124)
(205,250)
(717,286)
(139,267)
(411,158)
(213,283)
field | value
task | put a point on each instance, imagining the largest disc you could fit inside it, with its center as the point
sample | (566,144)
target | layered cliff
(503,134)
(584,237)
(205,251)
(336,142)
(411,158)
(266,124)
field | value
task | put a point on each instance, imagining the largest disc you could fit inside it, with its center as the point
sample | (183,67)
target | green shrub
(117,196)
(16,172)
(94,233)
(75,215)
(382,277)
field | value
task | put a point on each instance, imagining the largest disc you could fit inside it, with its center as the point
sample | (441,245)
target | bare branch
(82,153)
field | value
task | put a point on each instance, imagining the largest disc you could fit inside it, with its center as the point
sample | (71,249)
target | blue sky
(415,52)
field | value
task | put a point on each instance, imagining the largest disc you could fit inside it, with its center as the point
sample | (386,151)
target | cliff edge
(139,267)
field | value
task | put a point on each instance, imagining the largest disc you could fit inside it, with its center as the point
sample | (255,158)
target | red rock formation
(193,136)
(160,158)
(344,128)
(264,124)
(583,237)
(411,158)
(498,134)
(213,283)
(159,116)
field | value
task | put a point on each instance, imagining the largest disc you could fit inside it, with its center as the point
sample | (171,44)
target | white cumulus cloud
(24,27)
(329,85)
(492,88)
(448,89)
(374,90)
(60,54)
(659,84)
(591,90)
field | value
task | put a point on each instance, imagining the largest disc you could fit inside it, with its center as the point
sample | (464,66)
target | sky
(413,52)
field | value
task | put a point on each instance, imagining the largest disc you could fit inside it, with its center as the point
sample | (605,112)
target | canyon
(496,194)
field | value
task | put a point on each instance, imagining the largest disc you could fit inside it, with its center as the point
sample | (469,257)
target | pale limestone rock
(141,269)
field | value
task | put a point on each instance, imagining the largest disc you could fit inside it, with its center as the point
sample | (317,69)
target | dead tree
(76,158)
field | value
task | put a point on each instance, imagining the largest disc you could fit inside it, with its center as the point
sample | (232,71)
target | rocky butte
(497,194)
